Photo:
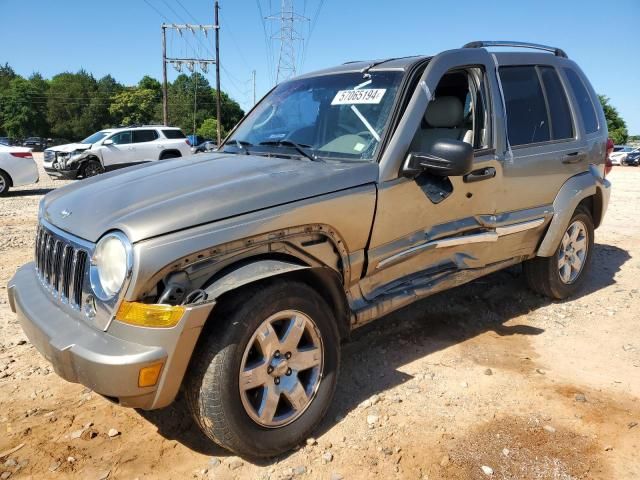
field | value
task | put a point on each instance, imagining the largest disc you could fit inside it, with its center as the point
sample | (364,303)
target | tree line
(74,105)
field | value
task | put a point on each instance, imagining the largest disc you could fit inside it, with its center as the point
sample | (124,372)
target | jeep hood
(70,147)
(164,196)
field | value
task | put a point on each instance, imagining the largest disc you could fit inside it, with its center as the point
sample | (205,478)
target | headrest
(444,112)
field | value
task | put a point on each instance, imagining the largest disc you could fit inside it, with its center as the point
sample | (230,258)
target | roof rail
(558,52)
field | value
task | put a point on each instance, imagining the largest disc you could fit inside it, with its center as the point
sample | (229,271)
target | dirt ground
(485,381)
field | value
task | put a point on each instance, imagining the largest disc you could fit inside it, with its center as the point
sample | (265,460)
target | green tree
(134,105)
(98,110)
(209,129)
(615,123)
(68,112)
(7,74)
(182,93)
(230,110)
(189,96)
(23,105)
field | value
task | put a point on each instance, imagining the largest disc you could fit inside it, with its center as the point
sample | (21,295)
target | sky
(123,37)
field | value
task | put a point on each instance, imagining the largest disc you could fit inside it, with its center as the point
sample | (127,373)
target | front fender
(576,189)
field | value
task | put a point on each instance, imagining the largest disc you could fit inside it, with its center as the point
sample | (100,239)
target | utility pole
(253,77)
(190,62)
(219,114)
(165,103)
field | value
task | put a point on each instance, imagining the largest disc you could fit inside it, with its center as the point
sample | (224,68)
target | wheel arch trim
(250,273)
(574,191)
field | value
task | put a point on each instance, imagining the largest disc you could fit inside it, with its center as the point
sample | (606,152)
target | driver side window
(122,138)
(457,111)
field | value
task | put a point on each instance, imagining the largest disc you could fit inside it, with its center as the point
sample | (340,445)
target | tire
(213,389)
(167,155)
(5,183)
(92,168)
(544,274)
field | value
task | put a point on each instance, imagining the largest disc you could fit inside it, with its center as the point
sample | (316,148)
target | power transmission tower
(289,36)
(191,62)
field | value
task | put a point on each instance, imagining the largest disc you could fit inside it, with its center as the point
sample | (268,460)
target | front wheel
(92,168)
(563,274)
(264,375)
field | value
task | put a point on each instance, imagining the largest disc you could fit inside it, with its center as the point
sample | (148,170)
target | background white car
(17,168)
(619,154)
(115,148)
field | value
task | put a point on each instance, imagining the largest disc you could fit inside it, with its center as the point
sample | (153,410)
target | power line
(188,12)
(311,30)
(267,41)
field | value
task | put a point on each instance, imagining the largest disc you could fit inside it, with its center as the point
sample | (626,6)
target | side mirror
(107,142)
(446,158)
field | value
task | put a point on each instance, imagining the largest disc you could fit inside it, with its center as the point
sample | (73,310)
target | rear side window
(173,134)
(587,111)
(526,110)
(559,114)
(141,136)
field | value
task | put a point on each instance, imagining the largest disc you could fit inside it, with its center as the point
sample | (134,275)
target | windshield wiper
(296,146)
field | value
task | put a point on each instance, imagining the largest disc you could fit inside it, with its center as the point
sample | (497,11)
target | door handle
(480,174)
(573,157)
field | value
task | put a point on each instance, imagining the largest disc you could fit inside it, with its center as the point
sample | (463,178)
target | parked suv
(342,196)
(115,148)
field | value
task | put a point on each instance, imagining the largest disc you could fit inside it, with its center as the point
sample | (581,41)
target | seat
(443,119)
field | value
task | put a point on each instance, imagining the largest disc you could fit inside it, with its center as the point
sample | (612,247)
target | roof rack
(558,52)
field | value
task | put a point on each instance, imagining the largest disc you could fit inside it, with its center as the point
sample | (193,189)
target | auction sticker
(359,97)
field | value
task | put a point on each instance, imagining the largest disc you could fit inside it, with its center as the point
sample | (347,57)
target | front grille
(49,156)
(60,265)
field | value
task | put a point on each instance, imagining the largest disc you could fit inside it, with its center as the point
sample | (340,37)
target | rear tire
(237,410)
(167,155)
(564,273)
(5,183)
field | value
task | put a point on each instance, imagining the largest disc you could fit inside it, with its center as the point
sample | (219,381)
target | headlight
(110,265)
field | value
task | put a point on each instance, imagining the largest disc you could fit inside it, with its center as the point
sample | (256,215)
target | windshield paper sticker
(359,97)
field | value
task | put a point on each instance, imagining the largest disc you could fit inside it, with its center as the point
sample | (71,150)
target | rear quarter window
(559,113)
(527,120)
(141,136)
(173,134)
(585,104)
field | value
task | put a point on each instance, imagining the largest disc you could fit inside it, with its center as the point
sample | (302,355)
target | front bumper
(107,362)
(61,174)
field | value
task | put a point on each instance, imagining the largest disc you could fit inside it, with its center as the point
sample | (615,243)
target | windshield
(341,116)
(96,137)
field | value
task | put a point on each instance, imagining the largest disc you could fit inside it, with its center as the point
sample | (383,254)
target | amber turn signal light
(143,315)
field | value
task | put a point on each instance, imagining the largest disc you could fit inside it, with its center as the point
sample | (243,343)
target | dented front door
(416,235)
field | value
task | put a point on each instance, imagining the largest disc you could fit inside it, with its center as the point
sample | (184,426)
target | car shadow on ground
(30,192)
(372,359)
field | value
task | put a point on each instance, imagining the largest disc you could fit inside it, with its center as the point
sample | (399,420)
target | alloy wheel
(572,253)
(281,369)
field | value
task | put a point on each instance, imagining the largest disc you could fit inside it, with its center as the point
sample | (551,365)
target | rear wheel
(264,376)
(5,183)
(92,168)
(563,274)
